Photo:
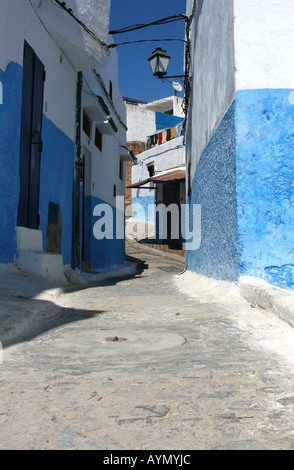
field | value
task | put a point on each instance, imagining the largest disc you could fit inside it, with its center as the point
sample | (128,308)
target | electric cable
(144,40)
(70,12)
(169,19)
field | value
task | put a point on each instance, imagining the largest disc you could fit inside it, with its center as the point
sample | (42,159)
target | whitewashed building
(50,166)
(158,174)
(240,141)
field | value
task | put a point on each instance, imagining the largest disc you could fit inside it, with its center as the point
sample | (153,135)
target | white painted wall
(168,156)
(110,73)
(264,41)
(84,50)
(21,23)
(141,119)
(104,166)
(170,104)
(213,87)
(140,122)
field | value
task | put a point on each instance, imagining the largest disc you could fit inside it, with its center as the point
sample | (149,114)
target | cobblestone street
(135,363)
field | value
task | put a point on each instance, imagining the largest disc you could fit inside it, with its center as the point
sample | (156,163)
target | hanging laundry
(160,138)
(153,141)
(148,143)
(173,132)
(168,134)
(163,137)
(179,128)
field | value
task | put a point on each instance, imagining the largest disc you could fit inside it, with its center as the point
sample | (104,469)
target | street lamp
(159,61)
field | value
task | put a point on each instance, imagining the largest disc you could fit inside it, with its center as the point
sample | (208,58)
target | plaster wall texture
(140,122)
(214,187)
(56,183)
(10,114)
(83,50)
(264,192)
(213,86)
(264,44)
(244,177)
(110,249)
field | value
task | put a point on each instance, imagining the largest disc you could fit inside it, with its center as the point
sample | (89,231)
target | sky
(135,77)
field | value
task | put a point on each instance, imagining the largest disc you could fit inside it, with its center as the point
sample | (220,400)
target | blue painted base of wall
(265,171)
(244,185)
(55,175)
(214,188)
(56,181)
(108,251)
(143,209)
(10,119)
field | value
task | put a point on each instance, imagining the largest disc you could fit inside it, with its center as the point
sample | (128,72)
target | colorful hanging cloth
(179,130)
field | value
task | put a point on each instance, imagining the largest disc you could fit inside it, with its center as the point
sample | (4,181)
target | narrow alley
(135,363)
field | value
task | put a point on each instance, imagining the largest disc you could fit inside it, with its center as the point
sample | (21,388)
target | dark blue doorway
(31,139)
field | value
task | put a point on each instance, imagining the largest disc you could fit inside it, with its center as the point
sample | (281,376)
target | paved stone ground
(135,363)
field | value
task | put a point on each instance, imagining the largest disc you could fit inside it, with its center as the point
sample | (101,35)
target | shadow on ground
(24,316)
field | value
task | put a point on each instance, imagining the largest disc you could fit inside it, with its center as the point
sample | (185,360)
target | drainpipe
(76,248)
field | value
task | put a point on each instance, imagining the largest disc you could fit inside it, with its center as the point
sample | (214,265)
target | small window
(86,124)
(98,139)
(114,190)
(151,170)
(110,89)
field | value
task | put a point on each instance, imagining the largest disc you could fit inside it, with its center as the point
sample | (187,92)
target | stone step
(29,239)
(48,265)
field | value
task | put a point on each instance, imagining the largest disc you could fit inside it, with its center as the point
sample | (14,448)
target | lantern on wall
(159,61)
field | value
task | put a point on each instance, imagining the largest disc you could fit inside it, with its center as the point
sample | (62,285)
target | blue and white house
(240,139)
(158,174)
(104,153)
(53,98)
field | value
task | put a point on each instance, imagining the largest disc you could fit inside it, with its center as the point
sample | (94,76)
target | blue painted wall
(106,252)
(56,180)
(265,170)
(10,119)
(56,170)
(166,121)
(142,212)
(214,187)
(244,184)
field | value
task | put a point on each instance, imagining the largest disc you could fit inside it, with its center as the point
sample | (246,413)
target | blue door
(31,139)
